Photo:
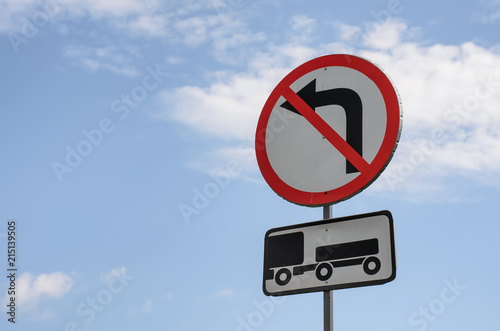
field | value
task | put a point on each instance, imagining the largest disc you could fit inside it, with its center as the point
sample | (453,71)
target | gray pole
(327,295)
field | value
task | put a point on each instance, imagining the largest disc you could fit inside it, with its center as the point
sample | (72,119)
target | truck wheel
(283,280)
(324,271)
(371,265)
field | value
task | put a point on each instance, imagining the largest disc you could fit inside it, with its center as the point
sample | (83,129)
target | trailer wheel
(324,271)
(283,281)
(371,265)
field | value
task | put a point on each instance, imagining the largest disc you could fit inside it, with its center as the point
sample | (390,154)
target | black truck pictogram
(285,257)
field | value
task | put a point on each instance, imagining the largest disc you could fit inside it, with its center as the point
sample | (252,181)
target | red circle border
(384,155)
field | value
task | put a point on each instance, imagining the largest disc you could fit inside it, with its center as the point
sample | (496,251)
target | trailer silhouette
(285,257)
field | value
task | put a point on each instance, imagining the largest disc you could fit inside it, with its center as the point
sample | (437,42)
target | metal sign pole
(327,295)
(328,310)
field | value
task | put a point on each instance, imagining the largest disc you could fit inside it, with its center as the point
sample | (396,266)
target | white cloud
(225,109)
(191,23)
(13,12)
(452,90)
(225,293)
(195,30)
(113,273)
(487,11)
(173,60)
(228,163)
(145,308)
(117,8)
(385,35)
(303,28)
(138,18)
(303,22)
(148,18)
(32,290)
(230,45)
(450,96)
(225,34)
(101,58)
(346,32)
(148,25)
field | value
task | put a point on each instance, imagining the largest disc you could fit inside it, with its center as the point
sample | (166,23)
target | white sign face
(319,164)
(330,254)
(328,130)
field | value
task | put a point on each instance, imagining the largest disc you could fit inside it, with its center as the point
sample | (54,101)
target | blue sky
(116,116)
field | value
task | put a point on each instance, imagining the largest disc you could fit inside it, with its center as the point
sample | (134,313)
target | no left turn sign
(328,130)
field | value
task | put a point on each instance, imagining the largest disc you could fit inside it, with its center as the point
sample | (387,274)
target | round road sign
(328,130)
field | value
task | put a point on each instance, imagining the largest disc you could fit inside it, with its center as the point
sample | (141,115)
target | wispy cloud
(146,18)
(113,273)
(13,12)
(303,28)
(225,293)
(102,58)
(142,309)
(169,297)
(487,11)
(195,24)
(195,30)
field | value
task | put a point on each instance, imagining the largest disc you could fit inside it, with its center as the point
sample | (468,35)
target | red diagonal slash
(326,130)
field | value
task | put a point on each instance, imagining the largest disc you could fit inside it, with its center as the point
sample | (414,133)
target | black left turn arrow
(349,100)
